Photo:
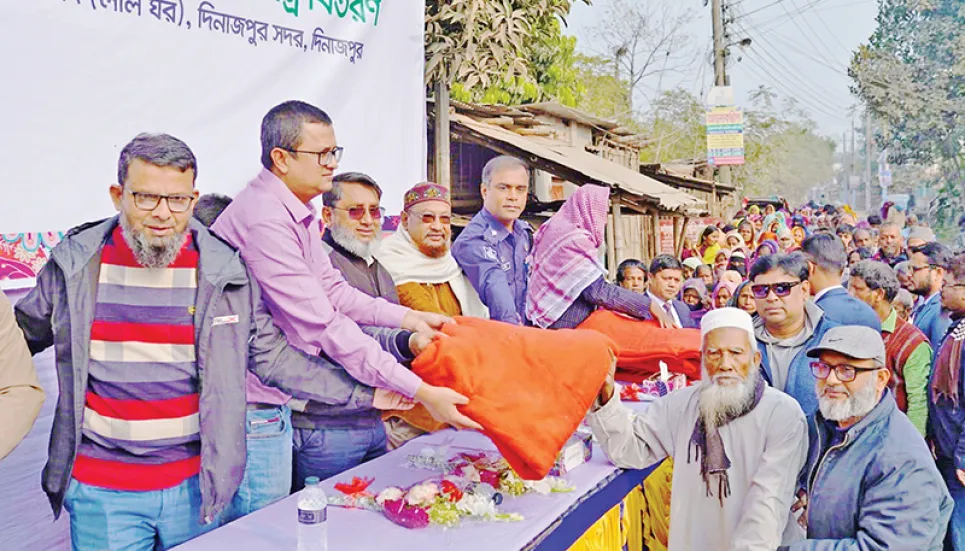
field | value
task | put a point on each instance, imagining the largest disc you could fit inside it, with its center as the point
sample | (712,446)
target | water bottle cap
(311,480)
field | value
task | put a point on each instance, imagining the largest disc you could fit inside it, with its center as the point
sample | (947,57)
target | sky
(800,49)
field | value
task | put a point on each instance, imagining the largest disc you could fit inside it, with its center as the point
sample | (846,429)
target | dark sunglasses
(761,290)
(358,213)
(843,372)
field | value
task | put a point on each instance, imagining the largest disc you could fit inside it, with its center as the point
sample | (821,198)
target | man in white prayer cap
(738,445)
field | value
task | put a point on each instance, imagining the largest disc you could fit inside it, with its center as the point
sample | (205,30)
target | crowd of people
(213,352)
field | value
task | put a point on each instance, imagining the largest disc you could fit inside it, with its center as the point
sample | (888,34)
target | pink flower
(407,516)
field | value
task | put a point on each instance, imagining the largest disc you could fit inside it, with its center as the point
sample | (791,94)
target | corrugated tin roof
(589,165)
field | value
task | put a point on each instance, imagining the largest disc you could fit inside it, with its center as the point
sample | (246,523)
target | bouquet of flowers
(471,487)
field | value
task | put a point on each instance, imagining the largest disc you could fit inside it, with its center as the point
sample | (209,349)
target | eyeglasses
(150,201)
(325,157)
(842,372)
(358,213)
(915,269)
(761,290)
(428,218)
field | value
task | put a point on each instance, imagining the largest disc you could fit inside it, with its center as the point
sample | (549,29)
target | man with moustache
(870,480)
(156,323)
(737,443)
(493,247)
(891,245)
(929,263)
(427,277)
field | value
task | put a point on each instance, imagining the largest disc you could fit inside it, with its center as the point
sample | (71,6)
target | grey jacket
(59,312)
(878,489)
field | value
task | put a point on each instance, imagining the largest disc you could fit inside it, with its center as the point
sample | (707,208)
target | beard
(433,251)
(858,404)
(347,240)
(153,254)
(718,403)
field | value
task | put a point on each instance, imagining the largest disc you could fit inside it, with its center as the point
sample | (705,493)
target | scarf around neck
(400,256)
(948,365)
(709,449)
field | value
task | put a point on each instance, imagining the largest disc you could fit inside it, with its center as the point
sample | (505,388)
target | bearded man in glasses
(787,324)
(870,481)
(427,279)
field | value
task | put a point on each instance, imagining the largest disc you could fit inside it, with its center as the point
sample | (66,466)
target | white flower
(389,494)
(539,486)
(422,494)
(476,506)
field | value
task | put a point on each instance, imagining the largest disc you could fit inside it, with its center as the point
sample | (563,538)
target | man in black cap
(870,480)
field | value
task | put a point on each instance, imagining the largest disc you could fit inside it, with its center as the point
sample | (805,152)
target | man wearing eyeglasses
(929,263)
(156,323)
(427,279)
(946,416)
(870,481)
(273,224)
(787,324)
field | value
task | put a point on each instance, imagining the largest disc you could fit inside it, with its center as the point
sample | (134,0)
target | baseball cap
(855,341)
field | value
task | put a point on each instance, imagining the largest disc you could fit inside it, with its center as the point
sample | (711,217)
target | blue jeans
(268,466)
(327,452)
(955,538)
(134,521)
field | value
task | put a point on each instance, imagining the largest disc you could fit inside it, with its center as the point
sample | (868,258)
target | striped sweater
(140,429)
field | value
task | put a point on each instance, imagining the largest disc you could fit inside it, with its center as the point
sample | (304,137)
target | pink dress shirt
(279,238)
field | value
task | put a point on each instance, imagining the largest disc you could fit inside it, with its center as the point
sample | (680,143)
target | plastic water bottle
(312,517)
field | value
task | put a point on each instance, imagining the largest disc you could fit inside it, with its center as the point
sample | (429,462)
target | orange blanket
(644,344)
(529,388)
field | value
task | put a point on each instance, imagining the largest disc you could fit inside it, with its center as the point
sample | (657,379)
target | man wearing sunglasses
(787,324)
(946,416)
(427,279)
(928,264)
(870,481)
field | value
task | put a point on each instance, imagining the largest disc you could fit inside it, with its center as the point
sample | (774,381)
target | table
(552,522)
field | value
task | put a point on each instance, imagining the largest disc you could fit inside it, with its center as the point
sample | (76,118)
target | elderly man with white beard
(870,481)
(737,444)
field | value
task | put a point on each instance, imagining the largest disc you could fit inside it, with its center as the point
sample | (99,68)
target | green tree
(911,75)
(501,51)
(676,126)
(604,93)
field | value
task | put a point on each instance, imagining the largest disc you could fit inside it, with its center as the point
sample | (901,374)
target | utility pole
(867,161)
(846,196)
(854,164)
(720,75)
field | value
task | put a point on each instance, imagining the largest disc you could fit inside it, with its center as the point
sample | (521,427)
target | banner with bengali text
(83,77)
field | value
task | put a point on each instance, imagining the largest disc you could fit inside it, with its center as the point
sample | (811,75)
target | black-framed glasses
(428,218)
(325,157)
(843,372)
(916,269)
(761,290)
(358,212)
(150,201)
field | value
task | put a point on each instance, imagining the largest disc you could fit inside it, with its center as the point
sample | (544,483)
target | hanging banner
(86,76)
(725,136)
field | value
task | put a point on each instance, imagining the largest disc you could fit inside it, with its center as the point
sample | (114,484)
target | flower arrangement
(471,488)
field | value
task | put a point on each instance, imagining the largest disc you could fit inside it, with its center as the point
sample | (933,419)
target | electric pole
(867,161)
(720,76)
(846,186)
(854,164)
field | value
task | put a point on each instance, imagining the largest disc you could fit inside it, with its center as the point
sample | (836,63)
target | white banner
(83,77)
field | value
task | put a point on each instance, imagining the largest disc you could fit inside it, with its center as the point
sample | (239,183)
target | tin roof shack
(568,148)
(696,177)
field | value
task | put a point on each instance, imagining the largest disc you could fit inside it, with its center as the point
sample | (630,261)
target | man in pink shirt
(273,224)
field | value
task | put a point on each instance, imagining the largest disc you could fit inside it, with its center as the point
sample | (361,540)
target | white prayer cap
(728,317)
